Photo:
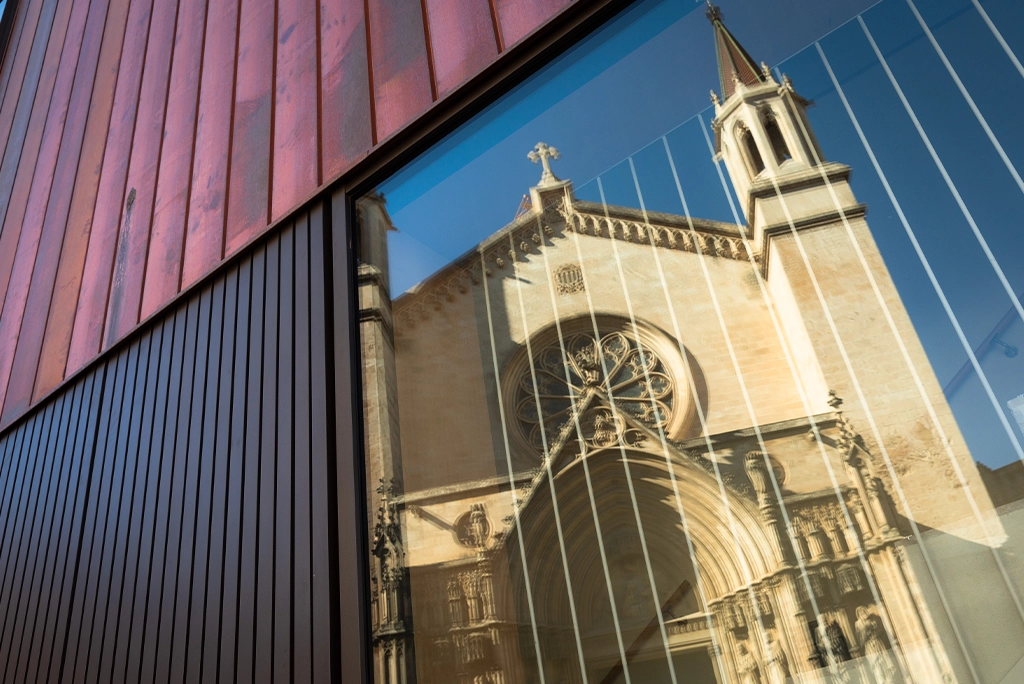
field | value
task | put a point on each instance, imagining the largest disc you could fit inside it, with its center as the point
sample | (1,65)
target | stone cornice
(561,214)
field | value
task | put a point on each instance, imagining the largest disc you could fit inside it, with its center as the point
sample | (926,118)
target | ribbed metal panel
(166,518)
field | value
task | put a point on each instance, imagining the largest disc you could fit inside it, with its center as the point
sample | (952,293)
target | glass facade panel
(729,393)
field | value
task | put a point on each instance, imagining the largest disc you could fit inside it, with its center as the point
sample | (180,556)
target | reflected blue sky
(648,74)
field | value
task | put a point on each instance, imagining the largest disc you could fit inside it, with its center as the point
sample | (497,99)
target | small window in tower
(753,154)
(778,143)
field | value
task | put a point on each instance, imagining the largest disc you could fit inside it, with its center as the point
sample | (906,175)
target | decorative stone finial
(713,13)
(714,98)
(834,401)
(544,153)
(766,71)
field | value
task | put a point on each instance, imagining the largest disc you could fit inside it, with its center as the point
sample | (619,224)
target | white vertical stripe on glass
(945,175)
(511,474)
(999,37)
(554,495)
(911,367)
(716,640)
(625,460)
(868,573)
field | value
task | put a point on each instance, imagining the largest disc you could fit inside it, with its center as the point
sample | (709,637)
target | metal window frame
(7,25)
(350,576)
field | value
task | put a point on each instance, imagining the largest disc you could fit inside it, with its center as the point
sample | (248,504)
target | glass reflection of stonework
(587,384)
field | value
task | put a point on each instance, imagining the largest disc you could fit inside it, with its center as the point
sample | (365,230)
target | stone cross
(544,153)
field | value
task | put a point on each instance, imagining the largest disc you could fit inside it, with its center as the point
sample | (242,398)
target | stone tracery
(593,384)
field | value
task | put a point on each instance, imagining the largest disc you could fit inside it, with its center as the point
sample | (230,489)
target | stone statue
(777,667)
(746,664)
(879,660)
(837,641)
(478,529)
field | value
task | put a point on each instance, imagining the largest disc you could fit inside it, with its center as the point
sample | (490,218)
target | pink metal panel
(19,161)
(129,270)
(163,269)
(296,106)
(40,290)
(401,71)
(249,179)
(344,85)
(462,40)
(57,340)
(204,236)
(35,209)
(87,332)
(518,18)
(15,66)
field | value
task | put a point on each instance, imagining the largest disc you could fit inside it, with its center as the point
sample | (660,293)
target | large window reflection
(739,407)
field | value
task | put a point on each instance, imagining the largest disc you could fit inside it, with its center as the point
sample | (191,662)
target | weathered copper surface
(141,142)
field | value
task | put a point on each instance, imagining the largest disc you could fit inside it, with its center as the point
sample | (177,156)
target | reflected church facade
(612,442)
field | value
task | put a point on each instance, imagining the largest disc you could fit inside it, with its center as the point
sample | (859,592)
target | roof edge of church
(596,209)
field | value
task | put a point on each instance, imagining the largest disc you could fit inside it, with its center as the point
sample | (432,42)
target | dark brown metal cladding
(167,516)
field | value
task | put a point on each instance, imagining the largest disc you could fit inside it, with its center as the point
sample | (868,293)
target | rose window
(598,385)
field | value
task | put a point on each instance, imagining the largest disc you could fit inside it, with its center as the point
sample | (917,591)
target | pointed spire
(735,65)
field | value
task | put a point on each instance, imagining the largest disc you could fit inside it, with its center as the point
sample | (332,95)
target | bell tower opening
(755,162)
(775,137)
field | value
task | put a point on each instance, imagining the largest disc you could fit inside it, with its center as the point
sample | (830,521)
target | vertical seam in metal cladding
(192,158)
(31,95)
(157,374)
(176,500)
(34,484)
(14,521)
(87,427)
(16,532)
(9,483)
(10,57)
(178,656)
(369,73)
(42,565)
(273,124)
(160,155)
(83,597)
(104,304)
(238,425)
(165,491)
(231,138)
(12,46)
(117,489)
(158,456)
(430,51)
(496,24)
(41,524)
(319,101)
(70,191)
(301,442)
(13,509)
(32,181)
(30,47)
(204,485)
(129,491)
(91,212)
(285,457)
(217,507)
(67,494)
(269,434)
(320,512)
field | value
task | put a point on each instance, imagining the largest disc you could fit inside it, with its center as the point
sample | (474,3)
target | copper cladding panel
(210,126)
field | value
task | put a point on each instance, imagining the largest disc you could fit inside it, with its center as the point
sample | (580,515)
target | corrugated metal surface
(145,140)
(166,516)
